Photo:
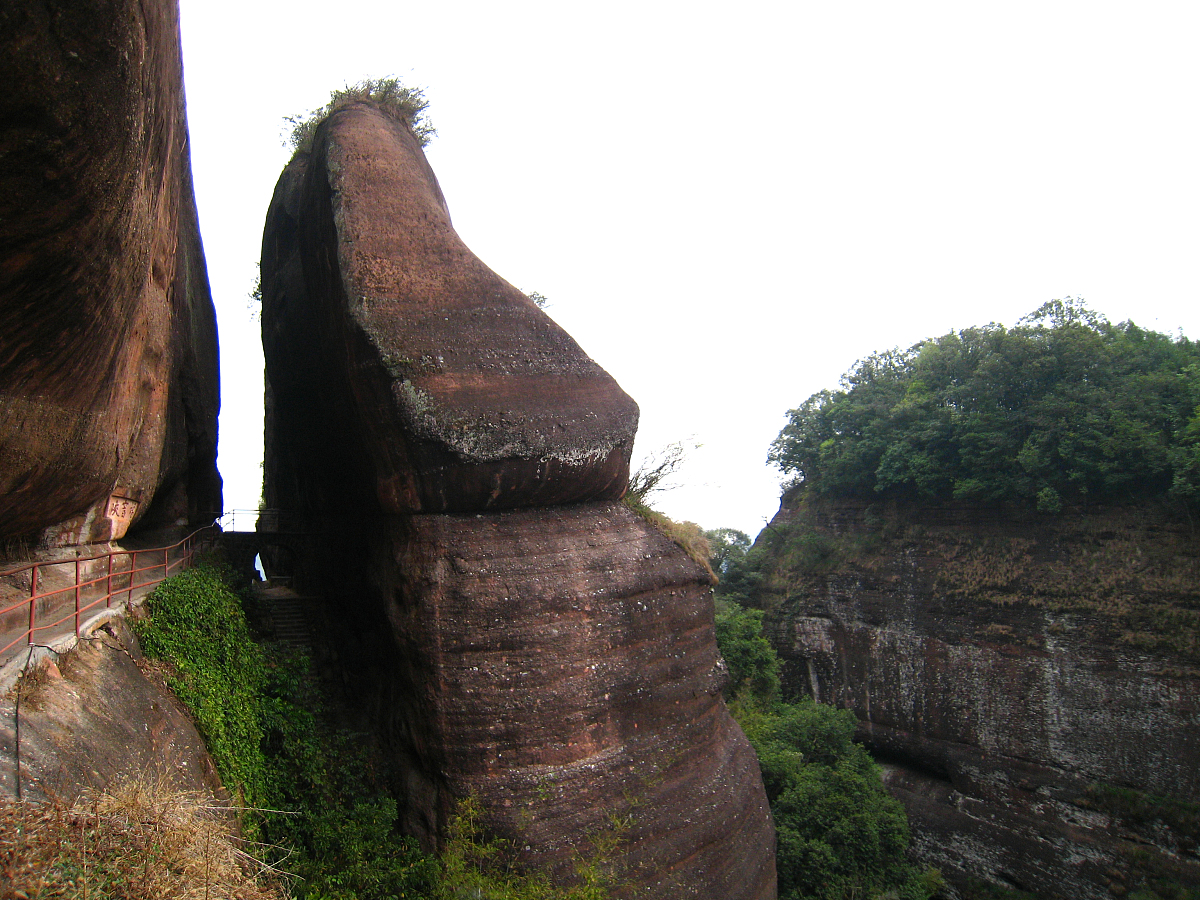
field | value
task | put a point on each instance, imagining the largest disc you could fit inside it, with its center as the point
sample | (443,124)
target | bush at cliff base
(315,800)
(840,834)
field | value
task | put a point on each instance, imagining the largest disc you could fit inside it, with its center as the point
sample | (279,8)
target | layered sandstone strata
(515,633)
(108,349)
(476,398)
(1030,681)
(562,660)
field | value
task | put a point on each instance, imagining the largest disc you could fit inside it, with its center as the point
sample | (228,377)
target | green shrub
(840,834)
(197,627)
(323,809)
(752,661)
(477,865)
(405,104)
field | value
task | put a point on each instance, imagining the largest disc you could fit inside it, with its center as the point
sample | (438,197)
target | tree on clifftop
(1063,408)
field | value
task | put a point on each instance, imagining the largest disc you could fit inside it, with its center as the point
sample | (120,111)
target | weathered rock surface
(564,661)
(1032,681)
(476,398)
(516,634)
(108,349)
(94,719)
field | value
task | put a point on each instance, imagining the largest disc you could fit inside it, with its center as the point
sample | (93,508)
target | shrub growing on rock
(406,104)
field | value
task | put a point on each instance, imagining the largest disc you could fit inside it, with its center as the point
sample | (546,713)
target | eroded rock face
(93,720)
(516,633)
(478,399)
(1027,679)
(108,360)
(564,661)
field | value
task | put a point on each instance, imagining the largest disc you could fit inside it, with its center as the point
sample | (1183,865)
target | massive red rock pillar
(108,348)
(546,650)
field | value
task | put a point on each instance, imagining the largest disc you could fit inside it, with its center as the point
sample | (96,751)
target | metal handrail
(265,521)
(229,519)
(188,545)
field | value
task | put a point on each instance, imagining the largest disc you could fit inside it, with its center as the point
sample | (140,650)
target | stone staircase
(287,616)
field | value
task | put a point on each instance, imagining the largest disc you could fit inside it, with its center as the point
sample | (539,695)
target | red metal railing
(120,579)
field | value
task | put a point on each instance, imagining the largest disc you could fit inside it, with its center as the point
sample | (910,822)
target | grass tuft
(688,535)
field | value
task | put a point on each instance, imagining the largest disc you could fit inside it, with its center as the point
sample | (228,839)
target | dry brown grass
(688,535)
(136,841)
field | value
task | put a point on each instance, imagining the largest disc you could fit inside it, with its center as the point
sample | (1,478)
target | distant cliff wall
(108,347)
(517,634)
(1031,681)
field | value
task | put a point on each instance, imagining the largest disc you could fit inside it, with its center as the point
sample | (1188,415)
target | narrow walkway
(288,620)
(60,607)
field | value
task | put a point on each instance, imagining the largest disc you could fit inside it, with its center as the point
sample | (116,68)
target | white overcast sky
(728,204)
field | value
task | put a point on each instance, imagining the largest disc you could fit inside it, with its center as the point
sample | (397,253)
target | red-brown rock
(108,365)
(1031,681)
(564,664)
(469,397)
(514,633)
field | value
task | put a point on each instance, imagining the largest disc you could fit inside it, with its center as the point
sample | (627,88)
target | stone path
(61,636)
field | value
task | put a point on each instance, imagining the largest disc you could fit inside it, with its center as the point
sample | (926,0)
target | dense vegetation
(840,834)
(317,799)
(1064,408)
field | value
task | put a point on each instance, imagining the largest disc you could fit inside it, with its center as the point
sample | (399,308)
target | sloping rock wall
(516,633)
(108,348)
(1032,682)
(94,719)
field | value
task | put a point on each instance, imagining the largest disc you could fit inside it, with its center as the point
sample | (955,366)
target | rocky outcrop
(92,719)
(108,361)
(517,634)
(1030,681)
(478,400)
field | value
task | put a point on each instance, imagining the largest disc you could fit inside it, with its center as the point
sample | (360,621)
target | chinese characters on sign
(121,510)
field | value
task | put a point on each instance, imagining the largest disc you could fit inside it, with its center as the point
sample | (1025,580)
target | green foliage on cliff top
(407,105)
(1064,408)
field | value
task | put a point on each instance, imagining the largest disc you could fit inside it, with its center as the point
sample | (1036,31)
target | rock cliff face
(1031,682)
(108,362)
(478,400)
(518,635)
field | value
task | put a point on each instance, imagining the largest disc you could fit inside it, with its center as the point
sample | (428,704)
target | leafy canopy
(1065,407)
